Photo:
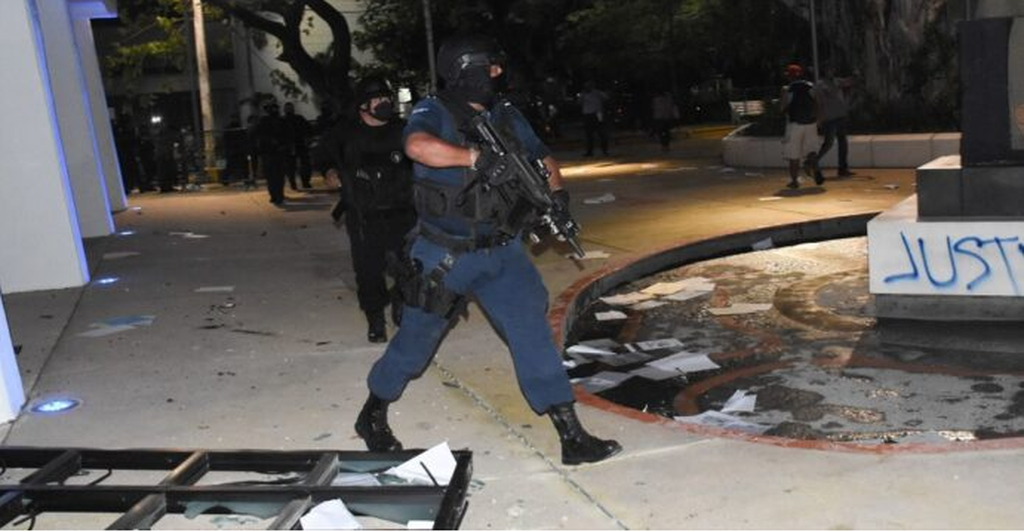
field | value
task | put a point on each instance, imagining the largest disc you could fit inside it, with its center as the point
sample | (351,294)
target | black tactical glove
(489,166)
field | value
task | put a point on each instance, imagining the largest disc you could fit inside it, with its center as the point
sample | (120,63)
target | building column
(74,116)
(12,393)
(40,243)
(100,112)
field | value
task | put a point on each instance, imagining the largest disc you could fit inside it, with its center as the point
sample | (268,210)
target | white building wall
(40,242)
(74,116)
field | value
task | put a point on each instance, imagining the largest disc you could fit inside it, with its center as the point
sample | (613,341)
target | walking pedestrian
(272,144)
(834,108)
(460,252)
(801,138)
(592,102)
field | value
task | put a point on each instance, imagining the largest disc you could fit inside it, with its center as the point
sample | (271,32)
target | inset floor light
(107,280)
(55,405)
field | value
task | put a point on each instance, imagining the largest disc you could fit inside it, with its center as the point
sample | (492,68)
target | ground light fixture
(49,406)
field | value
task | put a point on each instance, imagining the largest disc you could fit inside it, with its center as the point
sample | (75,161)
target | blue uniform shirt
(431,116)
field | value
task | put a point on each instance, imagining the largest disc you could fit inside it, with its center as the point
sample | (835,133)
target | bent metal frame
(142,505)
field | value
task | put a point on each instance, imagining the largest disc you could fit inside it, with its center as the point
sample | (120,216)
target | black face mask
(476,86)
(383,111)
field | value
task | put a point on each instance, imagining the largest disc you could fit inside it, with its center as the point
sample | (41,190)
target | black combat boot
(377,332)
(372,426)
(578,446)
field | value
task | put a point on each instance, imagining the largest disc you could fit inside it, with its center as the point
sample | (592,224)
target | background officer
(365,157)
(272,146)
(458,253)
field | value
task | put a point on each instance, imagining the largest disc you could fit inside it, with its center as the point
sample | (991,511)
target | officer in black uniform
(365,156)
(272,144)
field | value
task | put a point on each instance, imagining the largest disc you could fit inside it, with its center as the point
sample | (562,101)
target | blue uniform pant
(507,286)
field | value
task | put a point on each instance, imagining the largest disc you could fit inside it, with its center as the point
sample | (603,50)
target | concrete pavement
(279,362)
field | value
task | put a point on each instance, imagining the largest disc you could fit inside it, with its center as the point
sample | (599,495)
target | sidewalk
(280,362)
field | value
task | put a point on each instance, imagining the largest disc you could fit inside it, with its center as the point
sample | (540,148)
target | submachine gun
(532,176)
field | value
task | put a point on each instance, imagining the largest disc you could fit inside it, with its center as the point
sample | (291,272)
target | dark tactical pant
(507,286)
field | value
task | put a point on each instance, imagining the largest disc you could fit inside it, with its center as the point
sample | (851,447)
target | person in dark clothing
(365,157)
(298,156)
(126,143)
(801,137)
(468,244)
(166,162)
(272,146)
(236,150)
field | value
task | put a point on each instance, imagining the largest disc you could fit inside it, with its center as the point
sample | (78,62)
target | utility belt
(462,244)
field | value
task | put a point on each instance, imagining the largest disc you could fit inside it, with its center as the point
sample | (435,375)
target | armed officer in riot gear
(463,248)
(365,157)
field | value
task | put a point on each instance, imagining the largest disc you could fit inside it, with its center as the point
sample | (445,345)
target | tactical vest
(377,175)
(498,206)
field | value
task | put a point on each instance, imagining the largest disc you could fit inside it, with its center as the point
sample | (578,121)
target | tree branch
(250,18)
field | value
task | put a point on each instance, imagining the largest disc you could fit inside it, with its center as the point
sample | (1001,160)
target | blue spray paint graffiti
(964,255)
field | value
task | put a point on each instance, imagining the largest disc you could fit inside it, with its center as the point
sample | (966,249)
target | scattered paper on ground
(580,349)
(740,308)
(687,295)
(329,515)
(770,198)
(654,374)
(120,255)
(712,418)
(570,364)
(665,343)
(763,244)
(105,330)
(597,200)
(601,381)
(892,186)
(625,359)
(187,234)
(208,289)
(685,362)
(727,170)
(664,289)
(648,305)
(740,401)
(438,460)
(611,315)
(355,479)
(753,174)
(627,299)
(594,254)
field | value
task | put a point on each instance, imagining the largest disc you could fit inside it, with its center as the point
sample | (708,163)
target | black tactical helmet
(462,51)
(372,87)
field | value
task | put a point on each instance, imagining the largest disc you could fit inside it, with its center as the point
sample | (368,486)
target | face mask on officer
(382,110)
(476,85)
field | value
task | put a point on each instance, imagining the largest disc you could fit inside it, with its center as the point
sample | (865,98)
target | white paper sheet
(740,308)
(105,330)
(664,343)
(627,299)
(602,343)
(439,460)
(604,380)
(611,315)
(329,515)
(740,401)
(664,289)
(687,295)
(419,524)
(647,305)
(580,349)
(624,359)
(770,198)
(597,200)
(654,374)
(712,418)
(355,479)
(593,254)
(685,362)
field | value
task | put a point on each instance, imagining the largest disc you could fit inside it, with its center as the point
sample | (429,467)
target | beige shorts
(800,140)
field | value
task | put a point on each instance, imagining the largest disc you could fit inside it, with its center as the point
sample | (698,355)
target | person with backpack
(801,140)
